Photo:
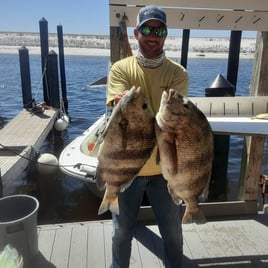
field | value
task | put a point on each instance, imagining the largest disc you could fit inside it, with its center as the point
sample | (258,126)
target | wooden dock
(225,243)
(18,139)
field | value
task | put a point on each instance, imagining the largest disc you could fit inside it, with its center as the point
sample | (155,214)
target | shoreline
(71,51)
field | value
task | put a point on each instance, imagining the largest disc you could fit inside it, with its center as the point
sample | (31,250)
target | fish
(128,141)
(185,152)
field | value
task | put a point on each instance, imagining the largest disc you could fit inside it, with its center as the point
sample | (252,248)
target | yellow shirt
(127,73)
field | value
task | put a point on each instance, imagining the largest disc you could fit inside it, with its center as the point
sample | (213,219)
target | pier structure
(238,241)
(23,136)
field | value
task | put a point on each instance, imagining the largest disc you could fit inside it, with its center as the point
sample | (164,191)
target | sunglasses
(147,30)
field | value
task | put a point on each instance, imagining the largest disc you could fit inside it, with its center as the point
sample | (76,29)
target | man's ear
(136,32)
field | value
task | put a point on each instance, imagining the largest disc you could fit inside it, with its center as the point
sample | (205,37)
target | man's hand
(118,97)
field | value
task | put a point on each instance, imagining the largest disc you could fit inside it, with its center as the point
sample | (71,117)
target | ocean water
(63,198)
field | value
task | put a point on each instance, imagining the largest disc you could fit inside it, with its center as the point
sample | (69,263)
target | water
(63,198)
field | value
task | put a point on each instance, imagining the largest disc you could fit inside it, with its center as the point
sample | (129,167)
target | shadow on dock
(40,261)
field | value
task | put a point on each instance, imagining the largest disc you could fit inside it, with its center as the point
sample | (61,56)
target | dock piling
(25,77)
(43,26)
(53,80)
(62,68)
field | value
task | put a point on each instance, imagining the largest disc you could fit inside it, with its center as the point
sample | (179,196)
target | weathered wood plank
(250,169)
(181,18)
(147,250)
(108,244)
(78,247)
(260,243)
(46,240)
(60,254)
(209,241)
(228,245)
(247,106)
(227,4)
(259,78)
(194,242)
(96,251)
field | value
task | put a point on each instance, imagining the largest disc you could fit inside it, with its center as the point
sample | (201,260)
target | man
(154,73)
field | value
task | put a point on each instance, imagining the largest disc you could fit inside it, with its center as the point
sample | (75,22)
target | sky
(75,16)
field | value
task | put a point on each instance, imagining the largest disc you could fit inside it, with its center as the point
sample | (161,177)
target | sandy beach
(88,45)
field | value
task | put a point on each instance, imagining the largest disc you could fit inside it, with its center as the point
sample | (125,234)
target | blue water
(64,198)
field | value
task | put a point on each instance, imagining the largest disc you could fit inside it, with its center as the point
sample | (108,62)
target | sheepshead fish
(185,146)
(128,141)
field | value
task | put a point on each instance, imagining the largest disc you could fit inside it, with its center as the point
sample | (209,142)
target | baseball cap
(151,13)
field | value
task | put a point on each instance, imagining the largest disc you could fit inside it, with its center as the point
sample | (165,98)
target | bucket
(18,224)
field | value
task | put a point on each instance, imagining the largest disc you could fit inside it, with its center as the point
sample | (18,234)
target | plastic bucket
(18,224)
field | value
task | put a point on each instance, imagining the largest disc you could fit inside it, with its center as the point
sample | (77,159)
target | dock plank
(96,251)
(46,240)
(209,240)
(107,232)
(225,243)
(148,254)
(78,247)
(19,139)
(60,254)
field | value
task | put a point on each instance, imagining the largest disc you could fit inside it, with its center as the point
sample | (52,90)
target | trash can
(18,224)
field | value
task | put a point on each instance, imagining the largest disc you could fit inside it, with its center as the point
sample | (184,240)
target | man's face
(151,45)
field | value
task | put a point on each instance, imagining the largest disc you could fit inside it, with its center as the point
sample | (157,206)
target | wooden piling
(233,57)
(62,68)
(254,146)
(43,26)
(185,47)
(25,77)
(53,80)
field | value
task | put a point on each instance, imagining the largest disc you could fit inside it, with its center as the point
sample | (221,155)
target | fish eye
(186,106)
(144,106)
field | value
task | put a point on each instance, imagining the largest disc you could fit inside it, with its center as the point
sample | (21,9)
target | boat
(79,158)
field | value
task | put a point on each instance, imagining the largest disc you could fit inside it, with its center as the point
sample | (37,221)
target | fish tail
(109,203)
(193,214)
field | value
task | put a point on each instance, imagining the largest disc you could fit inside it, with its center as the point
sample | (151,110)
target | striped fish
(128,141)
(185,146)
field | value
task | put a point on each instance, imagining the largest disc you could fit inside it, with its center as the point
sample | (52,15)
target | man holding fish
(152,73)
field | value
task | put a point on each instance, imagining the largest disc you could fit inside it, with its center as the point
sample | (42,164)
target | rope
(34,153)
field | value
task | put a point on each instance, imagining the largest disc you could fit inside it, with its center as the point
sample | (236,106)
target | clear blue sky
(76,17)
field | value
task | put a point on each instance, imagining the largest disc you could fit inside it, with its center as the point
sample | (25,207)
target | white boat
(79,158)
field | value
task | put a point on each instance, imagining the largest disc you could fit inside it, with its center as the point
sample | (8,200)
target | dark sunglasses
(147,30)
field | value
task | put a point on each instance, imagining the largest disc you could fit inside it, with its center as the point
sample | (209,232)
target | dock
(18,140)
(236,242)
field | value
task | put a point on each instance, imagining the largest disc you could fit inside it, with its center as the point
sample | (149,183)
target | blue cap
(151,13)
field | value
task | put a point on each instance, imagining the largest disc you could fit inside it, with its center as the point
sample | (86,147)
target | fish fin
(195,215)
(109,203)
(100,183)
